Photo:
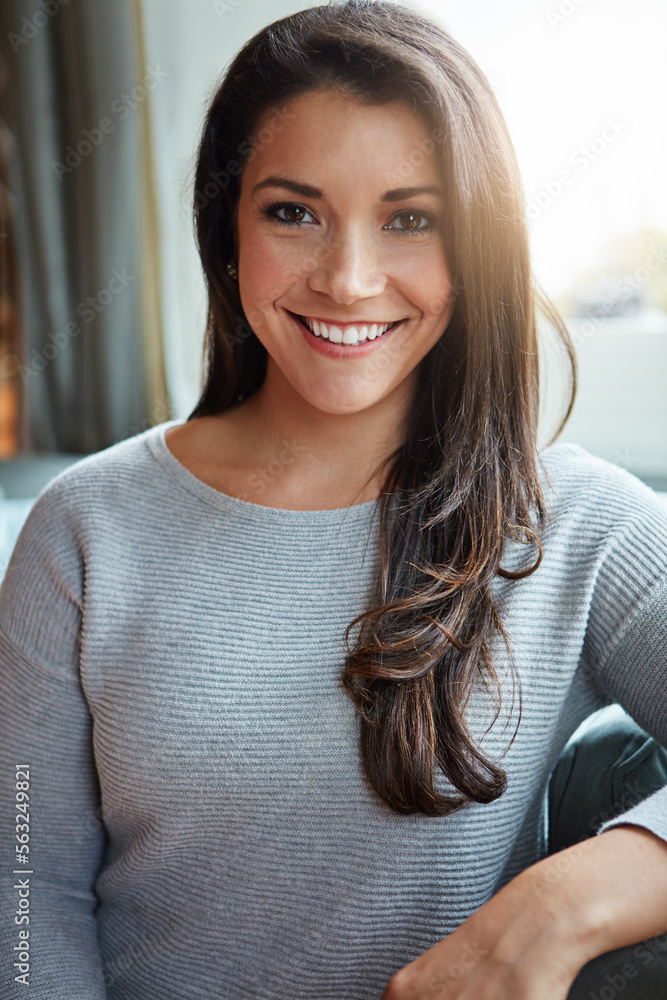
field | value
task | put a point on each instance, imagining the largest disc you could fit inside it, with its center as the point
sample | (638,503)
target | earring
(232,270)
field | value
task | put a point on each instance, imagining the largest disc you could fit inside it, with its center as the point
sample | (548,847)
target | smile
(346,333)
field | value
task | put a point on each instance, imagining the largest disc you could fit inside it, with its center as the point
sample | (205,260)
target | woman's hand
(528,942)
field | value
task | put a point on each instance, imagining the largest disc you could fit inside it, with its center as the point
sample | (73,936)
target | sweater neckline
(155,439)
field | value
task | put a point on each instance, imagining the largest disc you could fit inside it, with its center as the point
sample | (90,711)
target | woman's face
(340,232)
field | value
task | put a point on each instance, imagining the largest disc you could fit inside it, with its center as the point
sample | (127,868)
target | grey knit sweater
(199,822)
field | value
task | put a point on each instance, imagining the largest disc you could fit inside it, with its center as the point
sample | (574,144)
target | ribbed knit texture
(170,662)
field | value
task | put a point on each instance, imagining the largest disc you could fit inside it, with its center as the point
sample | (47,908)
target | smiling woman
(351,263)
(410,213)
(258,659)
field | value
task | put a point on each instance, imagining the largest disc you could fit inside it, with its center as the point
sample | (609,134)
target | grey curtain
(76,102)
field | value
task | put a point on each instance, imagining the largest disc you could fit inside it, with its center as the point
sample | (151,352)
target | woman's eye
(411,222)
(289,214)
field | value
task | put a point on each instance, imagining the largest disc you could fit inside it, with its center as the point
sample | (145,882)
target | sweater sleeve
(49,781)
(626,637)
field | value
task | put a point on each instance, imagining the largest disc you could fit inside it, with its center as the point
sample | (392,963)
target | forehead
(324,137)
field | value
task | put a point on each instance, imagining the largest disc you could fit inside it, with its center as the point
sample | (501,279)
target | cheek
(441,304)
(422,268)
(270,268)
(431,289)
(260,283)
(441,287)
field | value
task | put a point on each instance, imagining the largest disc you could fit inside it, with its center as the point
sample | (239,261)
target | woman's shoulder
(603,517)
(596,512)
(574,479)
(112,470)
(608,545)
(80,508)
(103,484)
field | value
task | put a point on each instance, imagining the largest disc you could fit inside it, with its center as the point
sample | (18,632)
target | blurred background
(102,306)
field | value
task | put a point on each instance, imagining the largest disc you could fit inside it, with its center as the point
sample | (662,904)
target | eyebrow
(308,191)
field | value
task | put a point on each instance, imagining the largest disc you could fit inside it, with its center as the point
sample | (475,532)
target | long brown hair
(466,477)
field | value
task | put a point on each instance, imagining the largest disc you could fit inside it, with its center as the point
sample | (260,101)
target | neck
(324,454)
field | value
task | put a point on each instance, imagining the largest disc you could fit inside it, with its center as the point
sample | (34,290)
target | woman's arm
(50,804)
(617,886)
(532,938)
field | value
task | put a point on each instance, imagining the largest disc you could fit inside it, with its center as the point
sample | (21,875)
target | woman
(229,801)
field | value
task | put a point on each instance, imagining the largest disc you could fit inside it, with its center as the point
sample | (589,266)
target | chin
(339,403)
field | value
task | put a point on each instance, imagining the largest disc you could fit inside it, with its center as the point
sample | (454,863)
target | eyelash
(431,222)
(271,212)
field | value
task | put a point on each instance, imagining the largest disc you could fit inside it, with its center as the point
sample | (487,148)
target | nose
(348,268)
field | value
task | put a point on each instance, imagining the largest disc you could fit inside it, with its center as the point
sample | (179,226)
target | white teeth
(351,334)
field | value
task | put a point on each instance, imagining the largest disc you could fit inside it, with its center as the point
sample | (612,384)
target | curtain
(80,173)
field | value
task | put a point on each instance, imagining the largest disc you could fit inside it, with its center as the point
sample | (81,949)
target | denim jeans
(609,765)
